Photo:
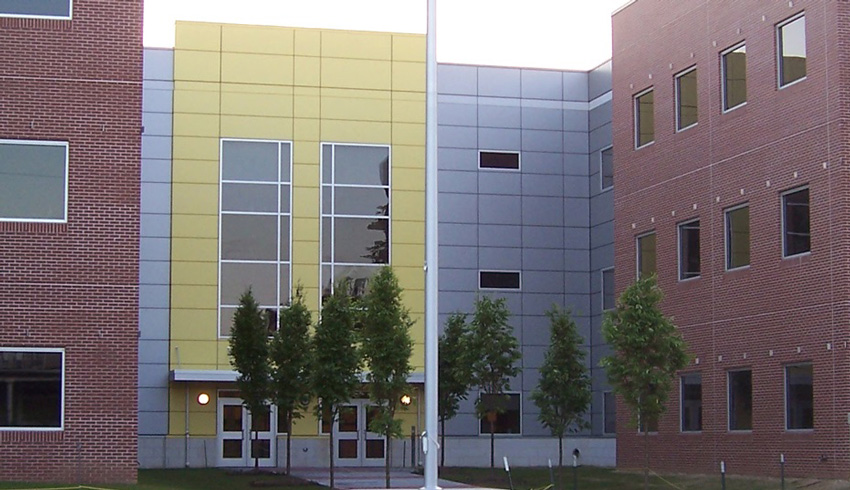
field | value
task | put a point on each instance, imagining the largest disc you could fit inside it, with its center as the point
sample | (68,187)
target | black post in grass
(723,475)
(508,469)
(552,475)
(576,454)
(782,470)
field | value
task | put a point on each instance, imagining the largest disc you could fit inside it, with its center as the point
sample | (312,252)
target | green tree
(336,361)
(647,351)
(290,359)
(386,349)
(563,392)
(455,373)
(494,352)
(249,353)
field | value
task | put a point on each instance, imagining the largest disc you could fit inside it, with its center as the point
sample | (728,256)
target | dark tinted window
(689,259)
(33,181)
(692,402)
(738,237)
(645,118)
(686,99)
(503,411)
(741,400)
(795,221)
(30,389)
(499,280)
(799,397)
(607,168)
(495,159)
(610,414)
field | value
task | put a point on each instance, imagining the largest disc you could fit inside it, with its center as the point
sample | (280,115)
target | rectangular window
(606,169)
(33,181)
(791,40)
(737,237)
(355,235)
(255,226)
(689,263)
(60,9)
(503,411)
(32,388)
(644,118)
(504,160)
(686,99)
(609,413)
(608,298)
(645,255)
(741,400)
(796,237)
(734,75)
(799,397)
(691,402)
(499,280)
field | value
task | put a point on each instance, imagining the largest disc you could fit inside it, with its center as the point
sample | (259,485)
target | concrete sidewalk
(367,478)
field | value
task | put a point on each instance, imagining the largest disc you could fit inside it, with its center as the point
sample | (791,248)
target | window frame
(602,187)
(786,393)
(501,169)
(783,219)
(64,144)
(679,229)
(602,288)
(636,118)
(70,15)
(729,401)
(780,58)
(45,350)
(682,403)
(509,271)
(503,434)
(723,81)
(678,95)
(727,230)
(638,254)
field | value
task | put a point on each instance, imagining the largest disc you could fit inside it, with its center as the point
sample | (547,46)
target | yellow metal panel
(200,66)
(237,38)
(307,129)
(194,324)
(197,101)
(408,205)
(194,273)
(308,275)
(366,45)
(415,300)
(411,179)
(409,232)
(277,128)
(408,156)
(408,111)
(305,252)
(408,48)
(197,354)
(256,68)
(308,425)
(195,171)
(408,77)
(305,152)
(307,71)
(194,226)
(355,93)
(356,131)
(359,74)
(194,249)
(197,35)
(307,106)
(223,358)
(239,86)
(417,359)
(410,278)
(194,198)
(194,296)
(356,109)
(308,42)
(201,424)
(256,104)
(408,134)
(305,229)
(195,125)
(305,202)
(407,255)
(195,148)
(410,96)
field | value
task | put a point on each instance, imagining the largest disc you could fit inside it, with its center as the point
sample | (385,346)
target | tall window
(741,400)
(255,226)
(686,99)
(791,41)
(355,215)
(734,73)
(58,9)
(645,255)
(796,236)
(608,298)
(644,118)
(737,237)
(31,388)
(33,181)
(799,397)
(609,413)
(607,168)
(691,402)
(689,260)
(505,413)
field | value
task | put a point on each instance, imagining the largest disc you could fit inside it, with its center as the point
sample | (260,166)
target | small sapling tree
(455,373)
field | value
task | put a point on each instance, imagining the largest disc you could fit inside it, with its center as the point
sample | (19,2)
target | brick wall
(777,311)
(74,285)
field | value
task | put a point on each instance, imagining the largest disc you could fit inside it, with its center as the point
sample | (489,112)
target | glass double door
(237,446)
(355,444)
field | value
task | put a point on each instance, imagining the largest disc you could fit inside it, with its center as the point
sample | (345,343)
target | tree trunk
(387,460)
(255,451)
(560,461)
(646,456)
(331,446)
(288,442)
(492,443)
(442,442)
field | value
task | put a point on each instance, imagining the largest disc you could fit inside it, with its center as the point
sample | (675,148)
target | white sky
(565,34)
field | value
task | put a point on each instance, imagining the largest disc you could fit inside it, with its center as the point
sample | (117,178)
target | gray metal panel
(575,142)
(156,249)
(500,235)
(156,197)
(498,82)
(544,211)
(154,375)
(576,164)
(501,115)
(154,323)
(156,123)
(543,236)
(577,282)
(546,163)
(152,296)
(600,137)
(154,272)
(538,303)
(602,209)
(499,182)
(576,260)
(601,115)
(458,208)
(599,80)
(540,281)
(457,300)
(577,211)
(457,137)
(457,79)
(157,100)
(156,147)
(537,140)
(542,118)
(158,64)
(156,170)
(542,185)
(575,120)
(457,234)
(452,181)
(499,139)
(153,423)
(457,158)
(150,399)
(500,209)
(575,86)
(577,186)
(543,259)
(458,280)
(542,84)
(453,114)
(459,257)
(501,258)
(576,237)
(155,225)
(153,351)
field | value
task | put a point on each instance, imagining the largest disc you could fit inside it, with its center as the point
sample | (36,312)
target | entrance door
(236,444)
(355,444)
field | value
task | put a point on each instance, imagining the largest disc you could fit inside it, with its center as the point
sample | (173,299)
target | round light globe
(405,400)
(203,399)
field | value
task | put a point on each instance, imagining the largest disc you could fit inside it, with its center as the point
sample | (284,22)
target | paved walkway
(367,478)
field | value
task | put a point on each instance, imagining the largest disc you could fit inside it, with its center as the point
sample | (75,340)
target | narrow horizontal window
(499,160)
(689,256)
(796,234)
(33,181)
(31,388)
(644,118)
(792,50)
(734,74)
(60,9)
(738,237)
(686,99)
(499,280)
(607,168)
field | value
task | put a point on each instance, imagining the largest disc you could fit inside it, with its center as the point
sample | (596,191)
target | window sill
(797,256)
(689,279)
(501,435)
(606,189)
(791,84)
(802,432)
(644,145)
(690,432)
(747,432)
(739,268)
(730,109)
(682,130)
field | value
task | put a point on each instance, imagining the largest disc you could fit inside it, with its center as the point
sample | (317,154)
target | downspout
(186,405)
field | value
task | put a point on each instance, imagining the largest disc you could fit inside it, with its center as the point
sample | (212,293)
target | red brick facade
(777,311)
(74,285)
